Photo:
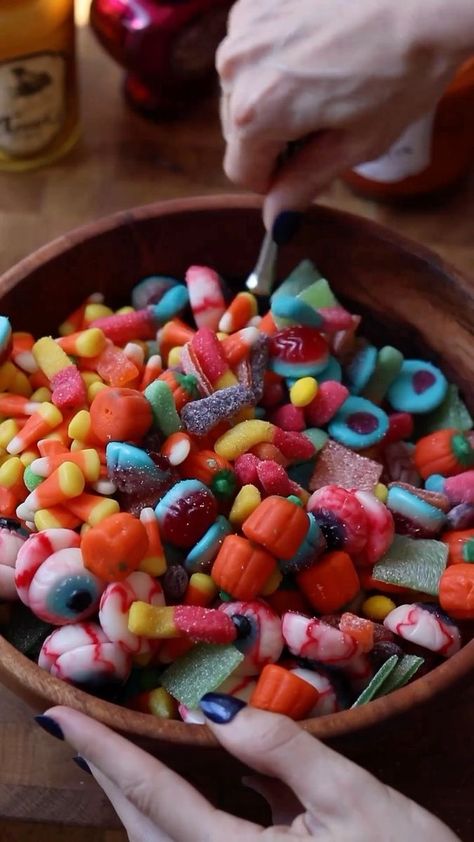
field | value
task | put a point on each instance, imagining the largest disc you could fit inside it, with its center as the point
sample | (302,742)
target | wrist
(444,26)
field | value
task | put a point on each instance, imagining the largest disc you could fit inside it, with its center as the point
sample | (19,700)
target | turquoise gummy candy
(453,412)
(200,671)
(387,369)
(304,275)
(358,423)
(376,682)
(406,668)
(361,368)
(415,564)
(165,416)
(288,310)
(420,387)
(170,304)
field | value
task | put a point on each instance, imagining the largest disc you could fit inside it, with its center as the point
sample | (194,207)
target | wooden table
(123,161)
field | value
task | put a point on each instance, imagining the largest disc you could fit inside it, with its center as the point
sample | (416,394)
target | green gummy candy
(389,363)
(316,436)
(31,479)
(406,668)
(303,276)
(165,416)
(319,294)
(376,682)
(200,671)
(415,564)
(452,412)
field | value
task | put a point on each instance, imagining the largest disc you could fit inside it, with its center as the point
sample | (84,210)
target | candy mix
(199,497)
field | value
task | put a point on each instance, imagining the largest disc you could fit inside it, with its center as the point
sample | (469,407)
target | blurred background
(124,159)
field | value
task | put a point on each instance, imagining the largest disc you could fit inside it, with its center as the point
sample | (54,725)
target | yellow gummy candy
(90,343)
(161,704)
(243,437)
(303,391)
(174,356)
(50,357)
(151,621)
(377,607)
(381,492)
(245,503)
(95,311)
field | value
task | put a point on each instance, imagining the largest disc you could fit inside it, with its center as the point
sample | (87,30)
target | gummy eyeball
(340,517)
(259,634)
(12,538)
(317,641)
(427,626)
(298,352)
(115,605)
(82,654)
(420,387)
(358,424)
(34,552)
(63,591)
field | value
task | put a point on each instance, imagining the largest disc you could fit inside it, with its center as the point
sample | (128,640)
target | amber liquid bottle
(38,93)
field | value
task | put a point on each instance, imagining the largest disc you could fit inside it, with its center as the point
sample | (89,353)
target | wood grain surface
(124,161)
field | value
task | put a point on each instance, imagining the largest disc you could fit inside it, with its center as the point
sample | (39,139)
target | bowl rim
(36,681)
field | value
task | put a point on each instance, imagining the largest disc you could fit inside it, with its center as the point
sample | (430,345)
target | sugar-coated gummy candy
(200,671)
(416,564)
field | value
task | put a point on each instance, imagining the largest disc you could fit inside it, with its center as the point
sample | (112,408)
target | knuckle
(139,793)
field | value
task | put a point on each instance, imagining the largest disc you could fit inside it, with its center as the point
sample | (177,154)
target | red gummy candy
(273,478)
(245,468)
(400,427)
(295,446)
(298,344)
(207,625)
(69,390)
(329,398)
(289,417)
(188,517)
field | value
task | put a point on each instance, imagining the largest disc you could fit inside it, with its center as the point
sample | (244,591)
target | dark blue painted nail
(50,726)
(285,226)
(83,764)
(220,708)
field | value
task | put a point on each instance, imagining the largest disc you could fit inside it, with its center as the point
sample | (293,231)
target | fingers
(308,172)
(172,804)
(327,784)
(139,828)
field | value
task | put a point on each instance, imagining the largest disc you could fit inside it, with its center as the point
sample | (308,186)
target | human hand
(336,801)
(346,76)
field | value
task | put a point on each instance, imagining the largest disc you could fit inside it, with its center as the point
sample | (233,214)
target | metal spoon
(263,277)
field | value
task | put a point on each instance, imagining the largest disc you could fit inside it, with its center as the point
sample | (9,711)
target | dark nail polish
(50,726)
(285,226)
(220,708)
(83,764)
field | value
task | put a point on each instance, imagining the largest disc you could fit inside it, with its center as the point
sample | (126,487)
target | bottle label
(409,155)
(32,102)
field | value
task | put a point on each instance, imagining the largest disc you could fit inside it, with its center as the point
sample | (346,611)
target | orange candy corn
(42,422)
(280,691)
(154,559)
(91,508)
(115,547)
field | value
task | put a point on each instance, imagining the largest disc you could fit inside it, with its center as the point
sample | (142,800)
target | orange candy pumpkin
(241,569)
(278,525)
(115,547)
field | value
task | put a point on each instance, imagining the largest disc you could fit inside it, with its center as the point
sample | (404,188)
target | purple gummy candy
(258,365)
(174,583)
(461,517)
(202,415)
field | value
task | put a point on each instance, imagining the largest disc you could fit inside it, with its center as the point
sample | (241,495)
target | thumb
(308,171)
(276,746)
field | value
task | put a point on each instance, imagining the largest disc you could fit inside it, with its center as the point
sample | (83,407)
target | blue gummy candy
(420,387)
(403,502)
(120,455)
(435,482)
(295,311)
(312,545)
(5,332)
(172,302)
(150,290)
(205,551)
(359,423)
(333,371)
(361,369)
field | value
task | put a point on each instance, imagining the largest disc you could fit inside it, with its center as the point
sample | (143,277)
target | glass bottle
(432,155)
(166,46)
(39,118)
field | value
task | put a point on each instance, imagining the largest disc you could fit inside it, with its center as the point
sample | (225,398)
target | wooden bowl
(416,301)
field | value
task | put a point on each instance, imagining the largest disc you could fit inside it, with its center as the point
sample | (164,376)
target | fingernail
(50,726)
(83,764)
(220,708)
(285,226)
